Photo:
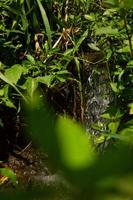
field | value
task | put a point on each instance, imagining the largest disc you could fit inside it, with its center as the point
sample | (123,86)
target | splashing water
(97,94)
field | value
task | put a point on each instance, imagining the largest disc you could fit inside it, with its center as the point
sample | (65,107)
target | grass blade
(46,22)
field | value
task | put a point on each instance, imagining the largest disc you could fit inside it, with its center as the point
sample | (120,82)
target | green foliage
(9,174)
(43,45)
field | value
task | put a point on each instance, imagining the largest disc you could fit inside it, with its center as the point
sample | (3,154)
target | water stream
(97,94)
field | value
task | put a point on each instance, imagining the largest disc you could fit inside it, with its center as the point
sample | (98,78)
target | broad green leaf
(13,74)
(10,174)
(30,85)
(47,80)
(113,127)
(75,147)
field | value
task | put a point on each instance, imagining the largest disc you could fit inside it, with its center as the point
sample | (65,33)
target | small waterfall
(97,94)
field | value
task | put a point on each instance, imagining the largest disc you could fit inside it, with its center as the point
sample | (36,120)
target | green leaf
(10,174)
(31,59)
(93,46)
(6,80)
(113,127)
(114,87)
(2,92)
(90,17)
(111,3)
(113,113)
(47,80)
(8,103)
(21,1)
(82,38)
(13,74)
(131,108)
(128,4)
(68,52)
(108,30)
(130,63)
(100,139)
(46,23)
(125,49)
(75,147)
(30,85)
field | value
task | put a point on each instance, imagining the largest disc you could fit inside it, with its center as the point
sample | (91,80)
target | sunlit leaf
(46,22)
(76,149)
(114,87)
(93,46)
(13,74)
(113,126)
(30,85)
(131,108)
(10,174)
(107,31)
(113,113)
(89,17)
(31,59)
(47,80)
(100,139)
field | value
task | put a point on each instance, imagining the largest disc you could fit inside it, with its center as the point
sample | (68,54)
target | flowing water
(97,94)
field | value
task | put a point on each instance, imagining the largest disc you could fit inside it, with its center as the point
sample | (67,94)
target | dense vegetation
(46,49)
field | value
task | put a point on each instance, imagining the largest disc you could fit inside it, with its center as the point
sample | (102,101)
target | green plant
(48,51)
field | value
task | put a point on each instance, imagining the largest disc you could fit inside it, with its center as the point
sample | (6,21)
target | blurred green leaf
(31,59)
(76,149)
(114,87)
(113,126)
(93,46)
(107,31)
(10,174)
